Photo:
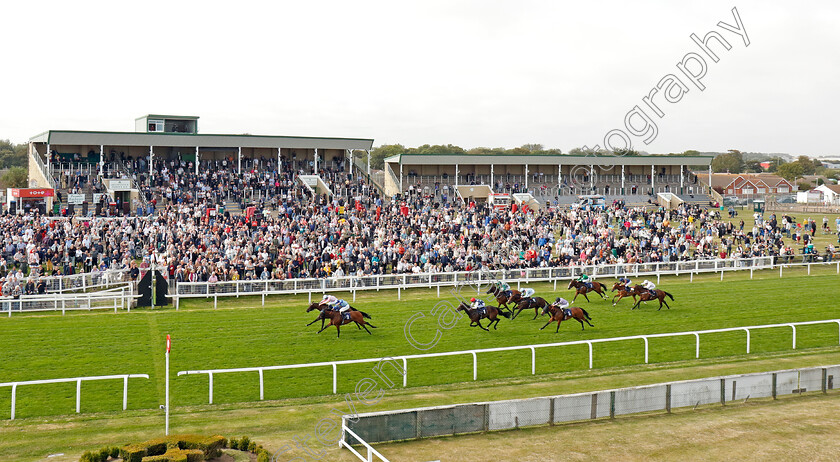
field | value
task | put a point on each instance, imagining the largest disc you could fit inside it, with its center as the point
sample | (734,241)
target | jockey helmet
(472,299)
(558,299)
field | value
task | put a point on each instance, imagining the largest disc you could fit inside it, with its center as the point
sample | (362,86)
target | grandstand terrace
(166,160)
(560,178)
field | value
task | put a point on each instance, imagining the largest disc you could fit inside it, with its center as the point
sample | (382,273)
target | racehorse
(582,289)
(537,303)
(559,316)
(645,295)
(502,298)
(337,319)
(322,316)
(622,292)
(490,312)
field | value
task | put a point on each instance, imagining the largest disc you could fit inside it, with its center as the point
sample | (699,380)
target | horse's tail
(505,313)
(585,314)
(365,315)
(672,297)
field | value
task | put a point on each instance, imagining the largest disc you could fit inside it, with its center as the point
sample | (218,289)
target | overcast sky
(471,73)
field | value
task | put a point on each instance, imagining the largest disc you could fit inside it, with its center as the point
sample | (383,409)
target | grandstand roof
(92,138)
(487,159)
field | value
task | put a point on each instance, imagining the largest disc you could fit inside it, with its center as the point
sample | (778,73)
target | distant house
(757,185)
(830,193)
(814,196)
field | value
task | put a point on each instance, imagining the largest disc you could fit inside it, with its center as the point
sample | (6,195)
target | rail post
(646,348)
(335,378)
(262,388)
(405,369)
(590,354)
(211,387)
(748,339)
(475,366)
(533,361)
(78,396)
(14,393)
(125,392)
(697,350)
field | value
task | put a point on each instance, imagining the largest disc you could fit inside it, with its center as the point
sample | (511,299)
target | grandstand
(167,160)
(559,178)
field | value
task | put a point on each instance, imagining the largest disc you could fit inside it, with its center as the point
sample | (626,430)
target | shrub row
(175,448)
(101,455)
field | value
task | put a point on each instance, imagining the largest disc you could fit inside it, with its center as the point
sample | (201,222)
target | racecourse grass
(242,333)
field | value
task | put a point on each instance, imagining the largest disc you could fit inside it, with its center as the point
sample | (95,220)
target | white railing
(44,170)
(646,338)
(477,278)
(370,451)
(78,381)
(85,281)
(116,298)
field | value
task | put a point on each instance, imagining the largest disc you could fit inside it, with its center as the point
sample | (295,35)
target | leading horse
(322,316)
(622,292)
(338,319)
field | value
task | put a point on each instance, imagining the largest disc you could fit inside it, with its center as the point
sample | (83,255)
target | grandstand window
(155,125)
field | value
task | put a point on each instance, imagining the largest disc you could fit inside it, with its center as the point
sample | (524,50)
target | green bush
(133,452)
(89,457)
(252,446)
(264,457)
(104,453)
(114,452)
(233,443)
(244,443)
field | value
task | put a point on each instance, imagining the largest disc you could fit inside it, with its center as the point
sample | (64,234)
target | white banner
(119,185)
(75,199)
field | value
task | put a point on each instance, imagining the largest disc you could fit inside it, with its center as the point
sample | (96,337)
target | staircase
(233,208)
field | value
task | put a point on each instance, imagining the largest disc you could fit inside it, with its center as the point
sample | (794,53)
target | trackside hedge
(175,448)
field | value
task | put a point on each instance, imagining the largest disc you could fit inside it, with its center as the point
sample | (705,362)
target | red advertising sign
(168,343)
(29,192)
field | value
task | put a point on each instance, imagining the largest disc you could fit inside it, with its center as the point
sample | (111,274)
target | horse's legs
(358,326)
(576,294)
(366,329)
(584,296)
(587,321)
(661,301)
(313,322)
(338,330)
(479,325)
(550,320)
(558,325)
(581,324)
(636,304)
(325,327)
(536,312)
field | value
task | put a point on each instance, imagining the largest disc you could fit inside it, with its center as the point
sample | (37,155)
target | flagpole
(168,346)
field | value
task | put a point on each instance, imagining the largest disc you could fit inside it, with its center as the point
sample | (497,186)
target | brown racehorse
(622,292)
(645,295)
(337,319)
(537,303)
(322,316)
(558,315)
(581,288)
(503,299)
(490,312)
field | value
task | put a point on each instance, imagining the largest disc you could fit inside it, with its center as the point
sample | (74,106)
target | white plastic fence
(645,338)
(78,381)
(371,452)
(477,278)
(116,298)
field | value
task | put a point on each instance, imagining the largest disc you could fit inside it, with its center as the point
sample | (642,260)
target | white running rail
(370,451)
(78,381)
(645,338)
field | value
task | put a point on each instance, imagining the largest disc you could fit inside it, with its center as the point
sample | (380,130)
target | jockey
(336,304)
(476,304)
(504,287)
(585,280)
(626,282)
(528,293)
(649,286)
(563,304)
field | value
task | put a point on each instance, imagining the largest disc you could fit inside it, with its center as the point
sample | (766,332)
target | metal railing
(371,452)
(116,298)
(477,279)
(78,381)
(533,348)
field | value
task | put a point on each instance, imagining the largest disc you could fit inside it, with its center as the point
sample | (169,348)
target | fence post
(794,335)
(262,394)
(824,380)
(14,393)
(405,370)
(748,339)
(211,387)
(78,396)
(773,391)
(533,361)
(697,353)
(590,354)
(723,392)
(646,348)
(125,392)
(612,405)
(335,378)
(668,398)
(475,366)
